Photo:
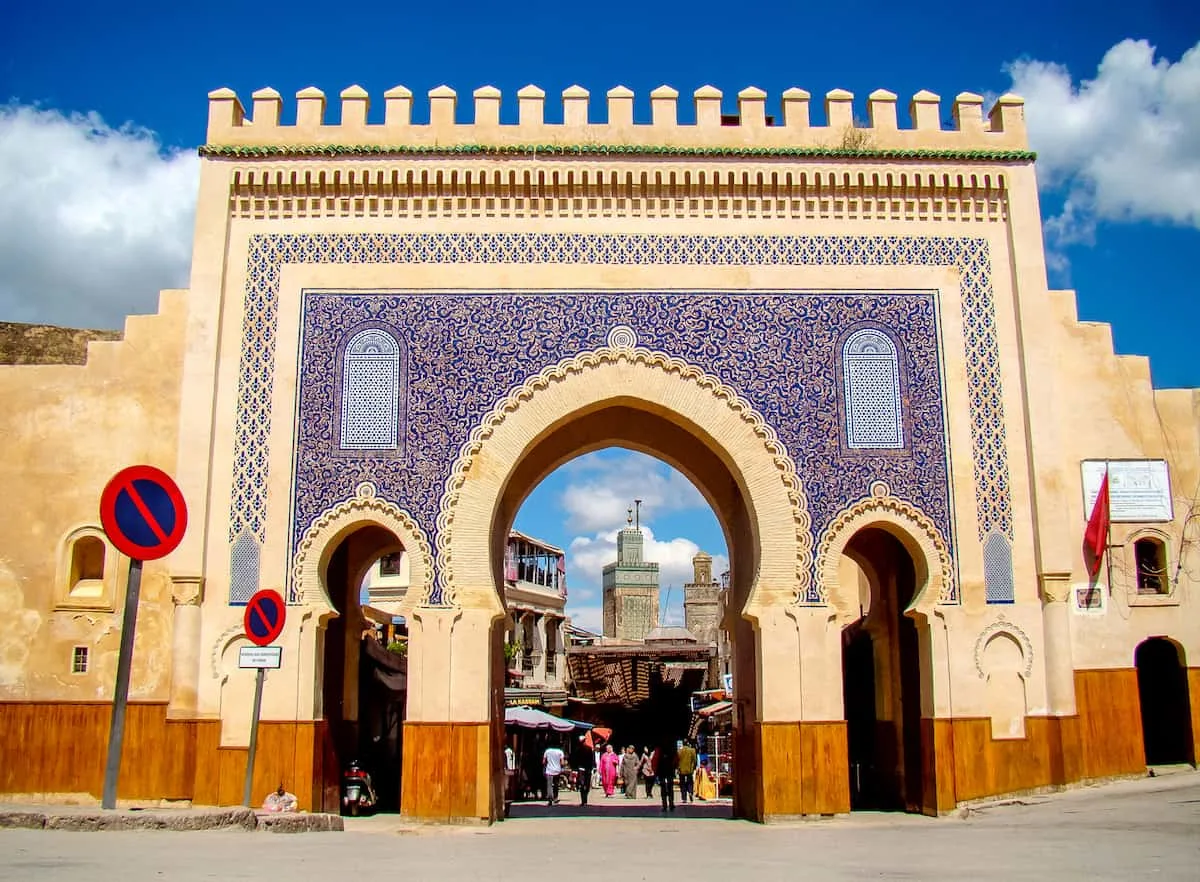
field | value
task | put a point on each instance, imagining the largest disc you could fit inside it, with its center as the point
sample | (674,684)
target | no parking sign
(143,512)
(144,516)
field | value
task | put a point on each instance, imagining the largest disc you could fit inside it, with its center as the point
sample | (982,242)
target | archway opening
(364,666)
(884,678)
(1165,702)
(638,671)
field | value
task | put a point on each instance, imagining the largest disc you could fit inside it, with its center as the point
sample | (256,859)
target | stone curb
(221,819)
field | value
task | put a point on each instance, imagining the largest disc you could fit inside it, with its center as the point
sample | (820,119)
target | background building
(630,587)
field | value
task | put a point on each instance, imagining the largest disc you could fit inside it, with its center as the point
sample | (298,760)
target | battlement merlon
(1002,131)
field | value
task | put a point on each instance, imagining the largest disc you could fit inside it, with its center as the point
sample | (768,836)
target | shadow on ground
(619,807)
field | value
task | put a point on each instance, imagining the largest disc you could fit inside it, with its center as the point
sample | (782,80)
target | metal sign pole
(247,789)
(116,731)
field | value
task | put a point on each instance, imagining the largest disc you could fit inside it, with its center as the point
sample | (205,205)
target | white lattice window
(998,569)
(370,392)
(871,379)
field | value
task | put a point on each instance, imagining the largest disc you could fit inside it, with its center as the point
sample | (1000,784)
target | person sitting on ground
(280,801)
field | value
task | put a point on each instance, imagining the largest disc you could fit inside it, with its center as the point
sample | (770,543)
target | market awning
(716,709)
(531,718)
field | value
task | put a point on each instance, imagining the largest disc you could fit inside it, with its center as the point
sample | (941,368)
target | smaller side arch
(914,529)
(323,535)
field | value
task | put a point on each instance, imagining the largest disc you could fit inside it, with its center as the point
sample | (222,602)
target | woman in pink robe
(608,769)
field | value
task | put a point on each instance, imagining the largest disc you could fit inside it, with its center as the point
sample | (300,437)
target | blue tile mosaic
(970,256)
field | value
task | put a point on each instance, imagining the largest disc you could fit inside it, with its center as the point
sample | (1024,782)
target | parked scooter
(357,793)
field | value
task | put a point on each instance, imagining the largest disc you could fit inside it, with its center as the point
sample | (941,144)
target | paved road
(1135,829)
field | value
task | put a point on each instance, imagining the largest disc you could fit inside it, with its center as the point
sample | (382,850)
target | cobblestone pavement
(1131,829)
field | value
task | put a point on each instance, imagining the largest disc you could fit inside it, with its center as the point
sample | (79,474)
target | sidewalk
(94,819)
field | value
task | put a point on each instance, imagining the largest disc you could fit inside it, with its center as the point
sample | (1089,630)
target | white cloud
(1122,146)
(94,220)
(590,618)
(607,484)
(588,555)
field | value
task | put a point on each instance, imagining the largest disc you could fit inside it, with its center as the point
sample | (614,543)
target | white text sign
(1139,490)
(260,657)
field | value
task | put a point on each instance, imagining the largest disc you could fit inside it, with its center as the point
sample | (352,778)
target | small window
(79,660)
(86,572)
(87,567)
(370,392)
(389,564)
(871,386)
(1150,556)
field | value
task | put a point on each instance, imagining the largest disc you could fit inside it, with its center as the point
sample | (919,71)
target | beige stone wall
(1107,409)
(66,430)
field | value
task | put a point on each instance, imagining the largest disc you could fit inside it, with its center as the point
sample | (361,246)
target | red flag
(1095,538)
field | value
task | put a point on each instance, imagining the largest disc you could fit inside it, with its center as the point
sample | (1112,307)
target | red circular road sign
(265,614)
(143,512)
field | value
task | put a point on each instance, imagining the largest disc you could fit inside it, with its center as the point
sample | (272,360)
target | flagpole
(1108,526)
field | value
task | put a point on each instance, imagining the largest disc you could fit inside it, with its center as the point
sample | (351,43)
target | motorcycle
(357,793)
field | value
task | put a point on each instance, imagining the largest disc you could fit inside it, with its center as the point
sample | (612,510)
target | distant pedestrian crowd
(665,765)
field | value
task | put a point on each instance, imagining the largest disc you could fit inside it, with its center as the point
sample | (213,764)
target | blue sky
(106,103)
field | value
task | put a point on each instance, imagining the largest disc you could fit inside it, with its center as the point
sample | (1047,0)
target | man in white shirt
(510,777)
(552,766)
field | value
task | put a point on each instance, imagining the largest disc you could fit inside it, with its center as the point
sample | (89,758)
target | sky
(103,105)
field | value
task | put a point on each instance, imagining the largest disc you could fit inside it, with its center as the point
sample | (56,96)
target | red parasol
(597,735)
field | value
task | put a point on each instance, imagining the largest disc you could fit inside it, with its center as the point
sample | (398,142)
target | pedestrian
(687,768)
(608,769)
(584,761)
(629,772)
(666,774)
(552,766)
(510,777)
(706,784)
(648,772)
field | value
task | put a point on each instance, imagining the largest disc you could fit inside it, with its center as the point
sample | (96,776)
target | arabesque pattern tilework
(969,255)
(467,350)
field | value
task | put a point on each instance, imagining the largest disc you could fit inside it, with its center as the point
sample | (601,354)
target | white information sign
(260,657)
(1139,490)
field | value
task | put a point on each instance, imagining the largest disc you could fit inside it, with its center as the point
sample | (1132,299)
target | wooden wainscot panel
(987,766)
(1110,723)
(442,778)
(64,746)
(206,789)
(824,768)
(781,770)
(939,793)
(231,774)
(61,747)
(1067,759)
(1194,698)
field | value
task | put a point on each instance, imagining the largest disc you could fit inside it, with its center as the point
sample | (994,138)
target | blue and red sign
(265,614)
(143,512)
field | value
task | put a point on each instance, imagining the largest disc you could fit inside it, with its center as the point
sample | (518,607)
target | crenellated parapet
(1000,135)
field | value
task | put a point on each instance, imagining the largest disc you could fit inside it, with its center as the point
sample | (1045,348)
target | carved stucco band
(881,505)
(365,506)
(1001,626)
(444,595)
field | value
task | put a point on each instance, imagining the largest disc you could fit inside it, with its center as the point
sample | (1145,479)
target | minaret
(702,601)
(630,585)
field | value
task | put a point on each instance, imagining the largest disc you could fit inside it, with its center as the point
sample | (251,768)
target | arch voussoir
(916,531)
